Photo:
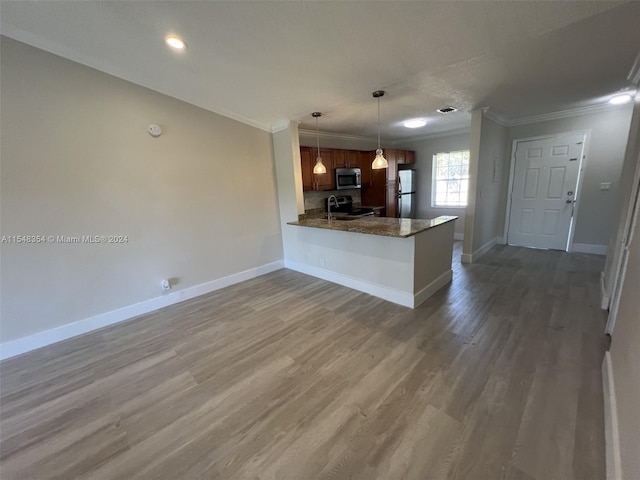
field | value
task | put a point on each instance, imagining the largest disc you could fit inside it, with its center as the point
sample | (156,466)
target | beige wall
(197,204)
(621,209)
(625,344)
(488,184)
(609,132)
(425,150)
(492,184)
(625,359)
(286,151)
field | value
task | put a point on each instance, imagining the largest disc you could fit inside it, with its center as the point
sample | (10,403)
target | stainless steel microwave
(348,178)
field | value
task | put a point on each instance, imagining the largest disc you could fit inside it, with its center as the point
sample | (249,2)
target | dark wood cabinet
(410,157)
(391,199)
(345,158)
(311,181)
(374,195)
(392,158)
(326,181)
(379,187)
(307,161)
(384,183)
(364,163)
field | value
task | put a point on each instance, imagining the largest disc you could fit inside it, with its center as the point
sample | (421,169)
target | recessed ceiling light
(415,123)
(620,99)
(447,110)
(176,42)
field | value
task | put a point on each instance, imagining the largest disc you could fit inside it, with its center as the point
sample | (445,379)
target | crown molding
(489,113)
(336,136)
(429,136)
(574,112)
(492,114)
(279,126)
(224,113)
(75,56)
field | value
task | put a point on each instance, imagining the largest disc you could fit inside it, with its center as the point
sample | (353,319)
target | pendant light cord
(317,137)
(378,123)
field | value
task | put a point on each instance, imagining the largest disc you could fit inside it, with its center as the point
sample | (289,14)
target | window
(450,180)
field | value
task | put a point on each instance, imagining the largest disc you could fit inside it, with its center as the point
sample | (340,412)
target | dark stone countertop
(388,227)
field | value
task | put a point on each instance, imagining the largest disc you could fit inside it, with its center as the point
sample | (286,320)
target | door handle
(570,193)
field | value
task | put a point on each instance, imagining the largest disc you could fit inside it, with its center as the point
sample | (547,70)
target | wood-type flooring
(287,376)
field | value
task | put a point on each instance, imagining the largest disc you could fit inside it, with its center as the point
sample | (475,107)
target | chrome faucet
(335,200)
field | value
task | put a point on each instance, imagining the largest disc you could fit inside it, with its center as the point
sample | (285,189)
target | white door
(631,221)
(545,185)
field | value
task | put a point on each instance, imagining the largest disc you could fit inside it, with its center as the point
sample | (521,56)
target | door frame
(583,164)
(632,214)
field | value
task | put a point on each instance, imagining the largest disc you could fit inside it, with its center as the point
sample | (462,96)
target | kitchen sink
(342,208)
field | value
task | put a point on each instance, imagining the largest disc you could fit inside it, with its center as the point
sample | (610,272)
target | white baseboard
(470,258)
(611,434)
(386,293)
(458,236)
(589,248)
(604,298)
(501,240)
(432,288)
(406,299)
(47,337)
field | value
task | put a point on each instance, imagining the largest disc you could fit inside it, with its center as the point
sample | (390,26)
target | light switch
(605,186)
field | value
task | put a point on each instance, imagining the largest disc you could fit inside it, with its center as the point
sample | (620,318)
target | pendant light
(319,167)
(379,161)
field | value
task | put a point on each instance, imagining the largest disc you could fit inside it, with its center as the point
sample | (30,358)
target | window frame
(434,181)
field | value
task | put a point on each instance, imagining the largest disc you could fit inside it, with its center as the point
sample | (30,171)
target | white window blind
(450,180)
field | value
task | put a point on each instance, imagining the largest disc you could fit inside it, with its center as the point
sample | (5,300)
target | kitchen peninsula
(401,260)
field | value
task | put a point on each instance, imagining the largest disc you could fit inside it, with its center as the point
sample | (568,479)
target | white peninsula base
(402,269)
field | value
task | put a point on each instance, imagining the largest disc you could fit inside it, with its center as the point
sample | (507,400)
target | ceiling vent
(447,110)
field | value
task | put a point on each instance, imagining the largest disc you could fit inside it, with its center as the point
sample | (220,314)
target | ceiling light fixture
(176,43)
(620,99)
(379,162)
(319,167)
(415,123)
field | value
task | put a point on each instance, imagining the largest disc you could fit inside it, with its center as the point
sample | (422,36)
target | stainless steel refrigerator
(407,193)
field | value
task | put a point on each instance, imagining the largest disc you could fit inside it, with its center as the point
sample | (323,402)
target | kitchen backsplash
(314,200)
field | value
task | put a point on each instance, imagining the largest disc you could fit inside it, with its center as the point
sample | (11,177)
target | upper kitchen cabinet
(339,158)
(384,183)
(392,158)
(409,157)
(345,158)
(307,161)
(326,181)
(311,181)
(400,156)
(364,163)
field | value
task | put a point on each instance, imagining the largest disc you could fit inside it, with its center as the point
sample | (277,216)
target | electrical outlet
(165,285)
(322,262)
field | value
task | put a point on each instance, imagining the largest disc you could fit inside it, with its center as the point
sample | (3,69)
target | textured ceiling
(267,62)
